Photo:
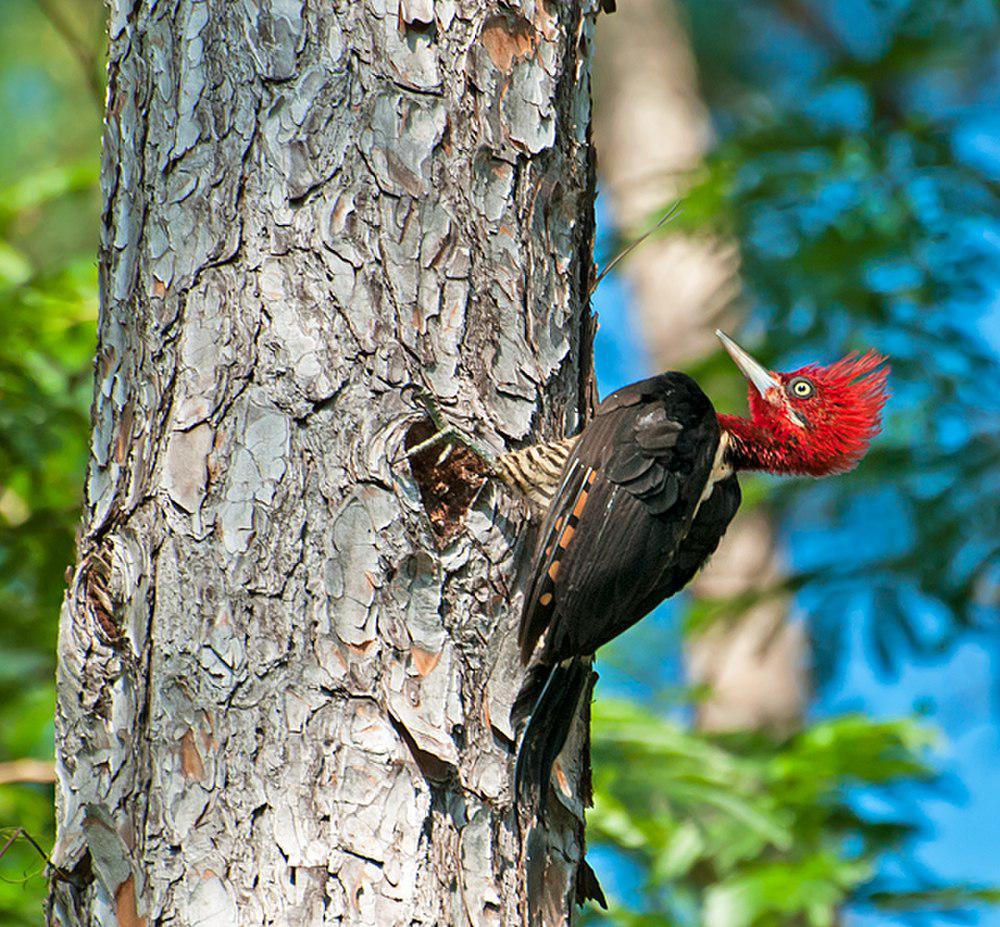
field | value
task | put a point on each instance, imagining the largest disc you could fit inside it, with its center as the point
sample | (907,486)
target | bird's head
(815,420)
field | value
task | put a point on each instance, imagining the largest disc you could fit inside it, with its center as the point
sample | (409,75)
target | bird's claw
(445,432)
(429,401)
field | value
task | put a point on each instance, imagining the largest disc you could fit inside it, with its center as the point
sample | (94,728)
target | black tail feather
(534,682)
(587,886)
(554,694)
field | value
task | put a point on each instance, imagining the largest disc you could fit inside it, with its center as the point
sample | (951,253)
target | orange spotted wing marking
(564,535)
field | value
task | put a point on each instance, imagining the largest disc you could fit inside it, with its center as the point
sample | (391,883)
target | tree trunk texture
(652,130)
(286,659)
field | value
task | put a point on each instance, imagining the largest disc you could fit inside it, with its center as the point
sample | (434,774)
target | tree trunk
(652,130)
(285,663)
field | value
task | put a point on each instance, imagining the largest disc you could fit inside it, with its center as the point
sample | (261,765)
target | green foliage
(852,234)
(46,350)
(48,308)
(740,831)
(867,217)
(863,222)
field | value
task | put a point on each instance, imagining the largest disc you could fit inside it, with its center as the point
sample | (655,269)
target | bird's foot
(449,481)
(446,434)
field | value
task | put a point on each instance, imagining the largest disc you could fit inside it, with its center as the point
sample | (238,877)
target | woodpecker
(644,495)
(638,501)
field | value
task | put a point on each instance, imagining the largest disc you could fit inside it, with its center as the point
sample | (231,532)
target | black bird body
(644,499)
(639,501)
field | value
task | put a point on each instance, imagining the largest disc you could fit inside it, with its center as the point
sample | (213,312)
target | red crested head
(816,420)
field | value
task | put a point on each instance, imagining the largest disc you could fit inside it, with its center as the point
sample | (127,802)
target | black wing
(618,537)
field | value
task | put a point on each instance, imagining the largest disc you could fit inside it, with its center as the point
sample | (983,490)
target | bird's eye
(801,388)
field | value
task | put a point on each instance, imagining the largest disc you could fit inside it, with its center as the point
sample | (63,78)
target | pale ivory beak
(751,369)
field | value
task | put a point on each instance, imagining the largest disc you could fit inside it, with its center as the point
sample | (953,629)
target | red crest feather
(826,428)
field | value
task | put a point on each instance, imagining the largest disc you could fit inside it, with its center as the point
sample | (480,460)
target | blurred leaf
(49,225)
(750,831)
(15,268)
(38,188)
(950,898)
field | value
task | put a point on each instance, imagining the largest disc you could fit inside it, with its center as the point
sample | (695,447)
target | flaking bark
(282,691)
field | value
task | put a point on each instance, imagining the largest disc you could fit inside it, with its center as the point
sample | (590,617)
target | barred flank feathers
(536,471)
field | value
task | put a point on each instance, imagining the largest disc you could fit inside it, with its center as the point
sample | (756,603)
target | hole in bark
(80,876)
(447,487)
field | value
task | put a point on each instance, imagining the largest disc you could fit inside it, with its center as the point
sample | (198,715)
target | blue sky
(956,692)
